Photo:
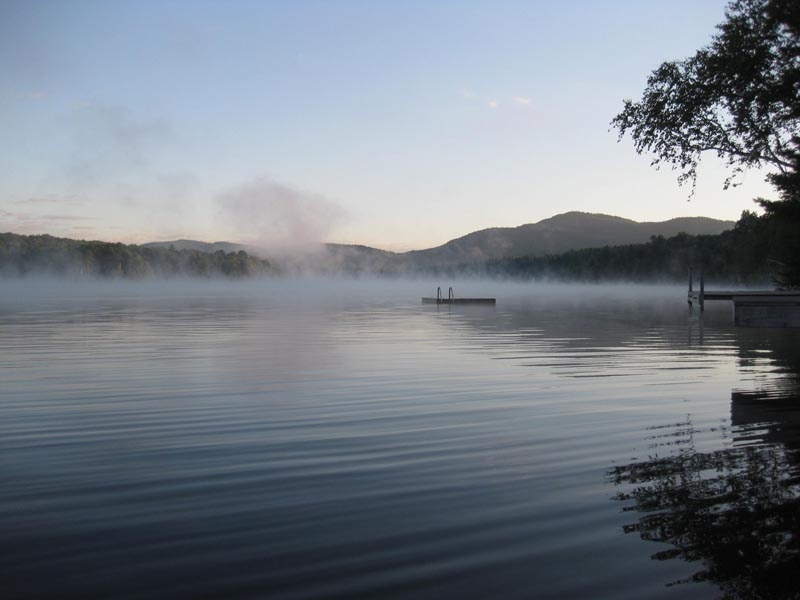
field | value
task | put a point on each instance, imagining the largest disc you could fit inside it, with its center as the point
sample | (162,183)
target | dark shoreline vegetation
(739,256)
(45,255)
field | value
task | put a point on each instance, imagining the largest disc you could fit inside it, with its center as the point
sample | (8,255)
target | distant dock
(451,299)
(752,308)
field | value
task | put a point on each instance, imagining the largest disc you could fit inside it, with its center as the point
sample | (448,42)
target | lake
(310,439)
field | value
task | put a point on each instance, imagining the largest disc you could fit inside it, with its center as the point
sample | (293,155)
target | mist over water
(303,438)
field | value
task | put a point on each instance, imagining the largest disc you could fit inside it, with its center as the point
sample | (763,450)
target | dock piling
(702,292)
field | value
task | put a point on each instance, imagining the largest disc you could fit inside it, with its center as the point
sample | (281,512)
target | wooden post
(702,292)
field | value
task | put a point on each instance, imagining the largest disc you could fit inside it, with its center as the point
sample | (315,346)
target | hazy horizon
(290,247)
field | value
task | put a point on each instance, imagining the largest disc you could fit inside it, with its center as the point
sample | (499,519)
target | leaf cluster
(739,97)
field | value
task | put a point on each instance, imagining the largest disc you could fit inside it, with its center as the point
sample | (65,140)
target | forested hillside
(739,256)
(22,255)
(556,235)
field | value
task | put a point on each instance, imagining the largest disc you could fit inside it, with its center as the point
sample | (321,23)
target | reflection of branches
(737,510)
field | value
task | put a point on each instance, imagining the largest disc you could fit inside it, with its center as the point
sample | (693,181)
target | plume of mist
(111,142)
(277,217)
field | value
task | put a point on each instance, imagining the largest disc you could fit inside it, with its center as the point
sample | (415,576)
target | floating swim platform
(451,299)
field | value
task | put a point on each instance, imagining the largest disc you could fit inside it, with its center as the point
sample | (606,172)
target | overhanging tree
(739,98)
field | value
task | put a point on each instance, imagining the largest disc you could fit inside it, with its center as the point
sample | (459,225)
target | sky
(399,125)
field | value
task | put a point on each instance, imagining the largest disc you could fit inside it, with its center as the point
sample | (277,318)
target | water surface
(305,439)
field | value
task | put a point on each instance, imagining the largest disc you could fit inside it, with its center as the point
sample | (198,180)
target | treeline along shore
(45,255)
(740,255)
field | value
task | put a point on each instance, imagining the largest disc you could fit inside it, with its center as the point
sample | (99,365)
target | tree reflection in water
(736,510)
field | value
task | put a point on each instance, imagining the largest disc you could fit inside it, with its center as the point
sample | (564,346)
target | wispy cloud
(110,142)
(29,216)
(58,217)
(33,95)
(274,214)
(62,200)
(118,165)
(33,222)
(83,230)
(495,102)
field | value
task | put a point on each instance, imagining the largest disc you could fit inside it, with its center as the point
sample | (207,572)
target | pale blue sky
(394,124)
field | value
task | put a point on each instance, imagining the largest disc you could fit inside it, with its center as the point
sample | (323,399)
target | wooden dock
(451,299)
(752,308)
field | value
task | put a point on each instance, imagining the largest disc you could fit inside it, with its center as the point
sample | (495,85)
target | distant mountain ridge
(561,233)
(555,235)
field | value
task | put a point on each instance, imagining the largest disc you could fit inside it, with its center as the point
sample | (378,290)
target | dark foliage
(22,255)
(739,97)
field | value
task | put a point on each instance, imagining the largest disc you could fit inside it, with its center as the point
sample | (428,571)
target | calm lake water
(307,439)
